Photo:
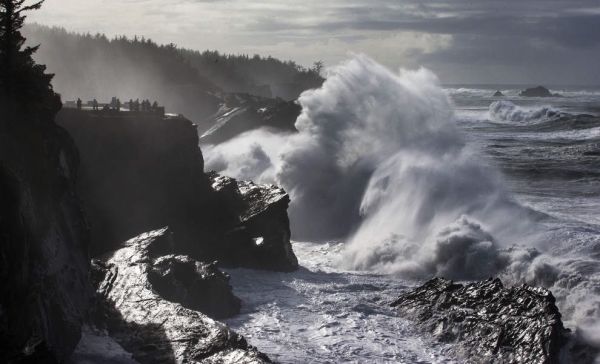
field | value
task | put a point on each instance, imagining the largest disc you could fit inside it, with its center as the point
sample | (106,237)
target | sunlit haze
(523,42)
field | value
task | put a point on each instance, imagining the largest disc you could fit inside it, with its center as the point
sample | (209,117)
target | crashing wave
(507,111)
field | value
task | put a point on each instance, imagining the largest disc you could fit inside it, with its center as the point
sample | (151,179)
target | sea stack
(539,91)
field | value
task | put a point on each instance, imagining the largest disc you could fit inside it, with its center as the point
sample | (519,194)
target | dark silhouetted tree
(24,86)
(318,67)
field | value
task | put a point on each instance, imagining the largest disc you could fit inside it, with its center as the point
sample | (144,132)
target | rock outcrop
(44,265)
(539,91)
(143,172)
(498,94)
(243,112)
(258,235)
(147,299)
(488,322)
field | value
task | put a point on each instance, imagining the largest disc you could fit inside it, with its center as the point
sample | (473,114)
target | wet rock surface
(488,322)
(243,112)
(258,233)
(155,329)
(44,267)
(498,94)
(197,286)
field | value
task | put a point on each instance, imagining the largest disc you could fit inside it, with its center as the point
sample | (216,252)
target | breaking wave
(379,161)
(507,111)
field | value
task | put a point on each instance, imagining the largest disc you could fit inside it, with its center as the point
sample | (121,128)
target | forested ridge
(94,66)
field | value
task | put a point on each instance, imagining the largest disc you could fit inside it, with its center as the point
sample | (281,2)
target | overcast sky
(463,41)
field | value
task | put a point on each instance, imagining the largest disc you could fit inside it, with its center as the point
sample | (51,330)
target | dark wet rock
(243,112)
(140,173)
(498,94)
(150,326)
(45,289)
(258,233)
(197,286)
(488,322)
(539,91)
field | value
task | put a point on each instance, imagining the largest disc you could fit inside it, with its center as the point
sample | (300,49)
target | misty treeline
(93,66)
(242,73)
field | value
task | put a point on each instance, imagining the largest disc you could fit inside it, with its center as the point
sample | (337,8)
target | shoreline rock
(488,322)
(258,235)
(152,328)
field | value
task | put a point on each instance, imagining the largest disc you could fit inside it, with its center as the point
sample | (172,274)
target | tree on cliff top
(24,87)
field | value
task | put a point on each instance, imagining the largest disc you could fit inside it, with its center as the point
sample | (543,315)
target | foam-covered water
(416,181)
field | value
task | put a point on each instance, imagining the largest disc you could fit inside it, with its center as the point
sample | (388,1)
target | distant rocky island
(539,91)
(498,94)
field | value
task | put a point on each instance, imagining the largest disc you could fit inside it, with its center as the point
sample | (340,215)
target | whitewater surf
(395,179)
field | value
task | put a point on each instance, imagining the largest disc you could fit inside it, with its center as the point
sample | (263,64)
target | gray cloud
(516,36)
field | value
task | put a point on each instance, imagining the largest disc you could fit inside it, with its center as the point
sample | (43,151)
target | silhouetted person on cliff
(95,105)
(137,105)
(78,103)
(155,106)
(118,104)
(131,105)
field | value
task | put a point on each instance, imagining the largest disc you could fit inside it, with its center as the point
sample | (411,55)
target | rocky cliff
(143,172)
(489,323)
(239,113)
(44,237)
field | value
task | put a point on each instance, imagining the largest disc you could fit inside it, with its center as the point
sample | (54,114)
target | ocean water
(395,179)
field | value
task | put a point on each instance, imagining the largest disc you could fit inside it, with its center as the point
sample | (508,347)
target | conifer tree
(24,86)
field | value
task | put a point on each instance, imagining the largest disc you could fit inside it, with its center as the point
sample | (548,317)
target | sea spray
(378,155)
(379,162)
(360,117)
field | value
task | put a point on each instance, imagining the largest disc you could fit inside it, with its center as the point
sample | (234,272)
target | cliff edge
(141,172)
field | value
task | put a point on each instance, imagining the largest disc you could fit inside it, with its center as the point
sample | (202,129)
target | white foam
(507,111)
(378,158)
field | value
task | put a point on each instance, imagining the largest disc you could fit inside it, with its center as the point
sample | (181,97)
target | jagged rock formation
(44,267)
(488,322)
(498,94)
(195,285)
(141,173)
(539,91)
(243,112)
(143,294)
(259,234)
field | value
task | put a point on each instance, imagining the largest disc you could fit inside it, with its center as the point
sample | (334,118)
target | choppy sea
(395,179)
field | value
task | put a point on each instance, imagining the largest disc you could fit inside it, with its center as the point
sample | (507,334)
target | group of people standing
(115,104)
(145,105)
